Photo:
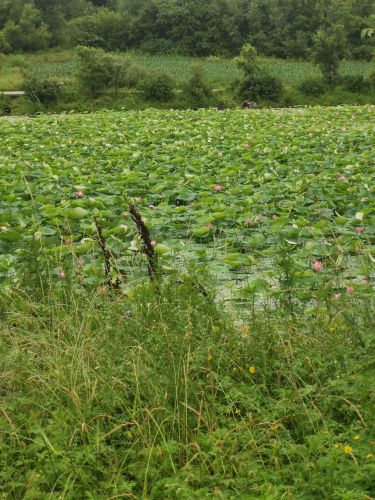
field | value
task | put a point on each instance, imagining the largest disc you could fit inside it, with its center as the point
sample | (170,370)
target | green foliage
(279,28)
(197,90)
(329,51)
(312,87)
(371,79)
(5,105)
(168,395)
(363,52)
(98,70)
(214,187)
(95,70)
(102,29)
(157,86)
(42,90)
(28,34)
(260,86)
(248,61)
(355,83)
(256,84)
(247,368)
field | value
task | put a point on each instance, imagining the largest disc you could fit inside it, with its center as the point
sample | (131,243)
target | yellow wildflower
(252,370)
(209,357)
(348,450)
(370,455)
(357,437)
(215,329)
(245,330)
(337,445)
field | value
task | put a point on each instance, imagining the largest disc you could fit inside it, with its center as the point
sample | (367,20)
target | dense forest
(282,28)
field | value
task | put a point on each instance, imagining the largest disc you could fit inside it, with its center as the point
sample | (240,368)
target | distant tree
(10,10)
(98,70)
(256,84)
(197,89)
(157,86)
(282,28)
(329,51)
(28,34)
(103,29)
(95,70)
(247,61)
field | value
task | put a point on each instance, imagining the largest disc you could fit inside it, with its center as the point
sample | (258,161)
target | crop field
(221,72)
(244,367)
(234,190)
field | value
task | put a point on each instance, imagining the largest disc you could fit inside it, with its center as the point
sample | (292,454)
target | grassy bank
(162,394)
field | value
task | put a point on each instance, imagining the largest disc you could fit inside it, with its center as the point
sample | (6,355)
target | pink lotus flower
(317,266)
(153,243)
(342,178)
(336,296)
(217,187)
(349,290)
(359,229)
(79,194)
(138,199)
(246,146)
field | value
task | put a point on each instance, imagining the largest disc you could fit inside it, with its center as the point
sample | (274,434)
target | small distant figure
(249,105)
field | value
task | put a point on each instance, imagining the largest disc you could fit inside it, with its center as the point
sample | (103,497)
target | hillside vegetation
(216,27)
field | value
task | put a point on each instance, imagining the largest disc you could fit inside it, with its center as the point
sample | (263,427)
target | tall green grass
(166,394)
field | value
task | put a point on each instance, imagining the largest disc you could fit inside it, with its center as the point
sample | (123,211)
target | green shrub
(363,52)
(103,28)
(158,86)
(329,51)
(355,83)
(41,89)
(259,86)
(98,70)
(95,70)
(197,90)
(371,79)
(5,105)
(131,73)
(225,100)
(312,87)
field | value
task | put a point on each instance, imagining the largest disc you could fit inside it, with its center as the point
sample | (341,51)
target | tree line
(281,28)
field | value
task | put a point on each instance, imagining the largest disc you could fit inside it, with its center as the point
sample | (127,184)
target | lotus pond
(264,200)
